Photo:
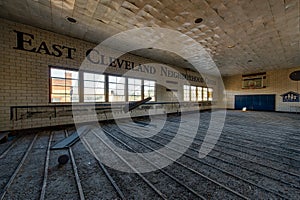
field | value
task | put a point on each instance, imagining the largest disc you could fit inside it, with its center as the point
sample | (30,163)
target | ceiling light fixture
(198,20)
(71,20)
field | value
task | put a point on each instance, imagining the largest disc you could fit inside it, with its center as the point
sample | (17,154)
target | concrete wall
(277,82)
(25,74)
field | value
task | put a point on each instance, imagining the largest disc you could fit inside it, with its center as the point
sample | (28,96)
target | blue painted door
(264,102)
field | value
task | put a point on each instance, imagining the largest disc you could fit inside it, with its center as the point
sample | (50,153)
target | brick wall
(277,82)
(25,75)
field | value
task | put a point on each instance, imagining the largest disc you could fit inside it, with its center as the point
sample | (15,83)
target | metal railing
(63,110)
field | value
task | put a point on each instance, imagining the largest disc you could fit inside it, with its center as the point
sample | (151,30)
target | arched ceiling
(242,36)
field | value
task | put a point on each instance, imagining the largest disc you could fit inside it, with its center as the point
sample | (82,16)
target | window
(134,89)
(149,89)
(64,85)
(94,87)
(116,87)
(186,93)
(193,93)
(199,94)
(210,94)
(204,94)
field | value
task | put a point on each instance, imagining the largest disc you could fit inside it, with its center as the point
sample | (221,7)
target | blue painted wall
(264,102)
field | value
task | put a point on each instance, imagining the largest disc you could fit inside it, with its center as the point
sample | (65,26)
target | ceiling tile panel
(232,31)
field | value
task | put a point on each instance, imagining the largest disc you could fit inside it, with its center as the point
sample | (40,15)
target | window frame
(54,77)
(125,90)
(189,92)
(210,92)
(194,99)
(201,93)
(205,94)
(154,93)
(134,85)
(94,88)
(81,86)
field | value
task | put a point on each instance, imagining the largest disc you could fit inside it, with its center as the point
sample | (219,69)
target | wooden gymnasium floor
(256,157)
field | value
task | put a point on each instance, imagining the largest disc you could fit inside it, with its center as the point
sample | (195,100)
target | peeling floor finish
(256,157)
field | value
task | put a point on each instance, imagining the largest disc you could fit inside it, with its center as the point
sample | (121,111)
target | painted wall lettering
(95,57)
(28,42)
(25,42)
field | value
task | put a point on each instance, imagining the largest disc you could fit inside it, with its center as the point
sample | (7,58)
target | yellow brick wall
(277,82)
(25,75)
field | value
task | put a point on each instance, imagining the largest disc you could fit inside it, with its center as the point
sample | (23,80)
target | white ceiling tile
(266,32)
